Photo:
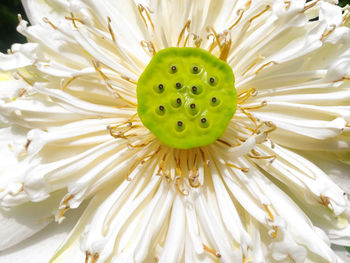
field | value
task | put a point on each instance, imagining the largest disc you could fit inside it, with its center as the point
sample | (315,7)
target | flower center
(186,97)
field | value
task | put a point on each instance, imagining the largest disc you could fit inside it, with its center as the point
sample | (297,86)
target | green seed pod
(193,95)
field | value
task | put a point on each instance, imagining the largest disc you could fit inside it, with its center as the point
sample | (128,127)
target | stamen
(95,257)
(325,200)
(312,4)
(224,142)
(186,27)
(142,10)
(263,104)
(87,256)
(272,218)
(249,115)
(211,251)
(272,125)
(259,14)
(245,95)
(264,66)
(67,199)
(141,160)
(333,27)
(106,79)
(128,79)
(46,20)
(204,159)
(287,4)
(25,79)
(258,57)
(197,40)
(74,19)
(68,82)
(148,46)
(27,145)
(110,29)
(62,212)
(240,14)
(177,184)
(161,165)
(243,169)
(272,157)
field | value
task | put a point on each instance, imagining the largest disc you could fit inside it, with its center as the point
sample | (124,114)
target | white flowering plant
(176,131)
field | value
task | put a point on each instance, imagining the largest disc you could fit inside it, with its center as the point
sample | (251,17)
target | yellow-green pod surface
(186,97)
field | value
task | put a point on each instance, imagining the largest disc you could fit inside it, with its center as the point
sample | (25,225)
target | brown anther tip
(203,120)
(179,123)
(245,170)
(193,106)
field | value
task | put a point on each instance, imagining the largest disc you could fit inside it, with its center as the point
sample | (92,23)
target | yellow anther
(264,66)
(186,27)
(310,5)
(259,14)
(68,82)
(149,46)
(46,20)
(243,169)
(142,10)
(74,20)
(240,14)
(110,29)
(212,251)
(333,27)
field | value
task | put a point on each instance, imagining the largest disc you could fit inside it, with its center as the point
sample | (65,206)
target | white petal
(21,222)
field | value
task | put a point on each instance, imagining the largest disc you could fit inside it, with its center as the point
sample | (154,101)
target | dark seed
(161,108)
(211,80)
(195,69)
(178,85)
(194,88)
(178,100)
(203,120)
(213,99)
(193,106)
(160,86)
(179,123)
(173,68)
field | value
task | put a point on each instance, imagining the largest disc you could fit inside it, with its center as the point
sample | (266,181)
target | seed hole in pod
(176,102)
(204,123)
(194,89)
(193,110)
(178,85)
(214,101)
(173,69)
(212,81)
(159,88)
(180,126)
(195,69)
(160,110)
